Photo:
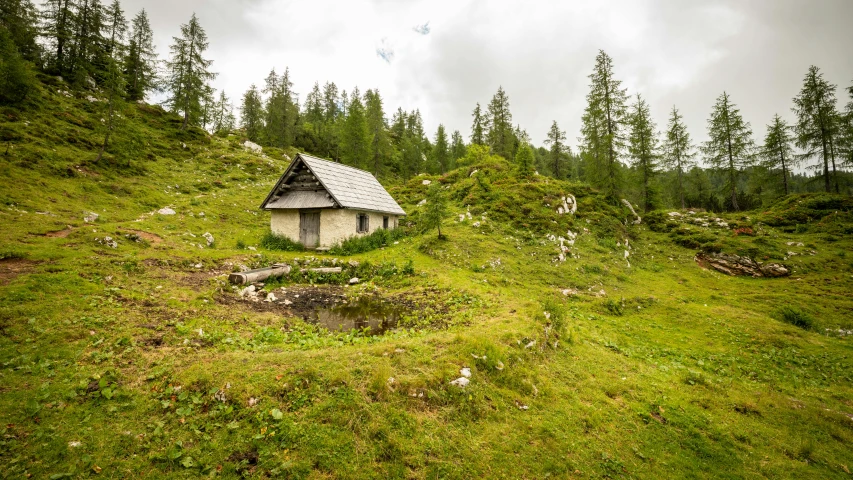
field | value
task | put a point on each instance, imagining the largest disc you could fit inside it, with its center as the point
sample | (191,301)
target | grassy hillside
(139,360)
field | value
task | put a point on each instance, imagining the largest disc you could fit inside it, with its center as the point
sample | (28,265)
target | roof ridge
(337,164)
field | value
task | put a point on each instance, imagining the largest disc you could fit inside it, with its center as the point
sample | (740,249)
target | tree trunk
(784,170)
(109,130)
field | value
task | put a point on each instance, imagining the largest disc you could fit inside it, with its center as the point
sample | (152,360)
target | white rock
(271,297)
(74,444)
(427,182)
(166,211)
(422,202)
(465,372)
(253,147)
(461,382)
(353,280)
(90,217)
(207,236)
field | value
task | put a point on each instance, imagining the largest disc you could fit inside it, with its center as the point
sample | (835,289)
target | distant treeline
(621,151)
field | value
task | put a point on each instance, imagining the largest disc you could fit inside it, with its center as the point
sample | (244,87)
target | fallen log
(323,270)
(259,274)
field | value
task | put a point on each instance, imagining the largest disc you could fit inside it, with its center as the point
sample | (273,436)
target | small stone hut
(320,203)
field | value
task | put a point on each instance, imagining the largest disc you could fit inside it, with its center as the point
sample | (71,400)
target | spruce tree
(223,117)
(603,125)
(817,122)
(87,53)
(678,152)
(113,77)
(435,209)
(441,151)
(730,146)
(16,78)
(380,145)
(778,151)
(556,140)
(58,18)
(189,72)
(499,133)
(478,128)
(643,148)
(141,61)
(457,148)
(848,129)
(355,136)
(524,160)
(252,114)
(21,20)
(274,112)
(314,108)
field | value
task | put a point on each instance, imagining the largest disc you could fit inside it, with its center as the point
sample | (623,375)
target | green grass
(139,361)
(271,241)
(363,244)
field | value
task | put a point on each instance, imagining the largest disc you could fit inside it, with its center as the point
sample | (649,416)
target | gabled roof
(349,187)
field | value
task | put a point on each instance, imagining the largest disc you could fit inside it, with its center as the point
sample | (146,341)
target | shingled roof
(347,186)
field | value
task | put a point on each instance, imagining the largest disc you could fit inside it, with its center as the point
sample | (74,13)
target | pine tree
(21,18)
(435,209)
(604,122)
(499,134)
(58,19)
(817,122)
(678,152)
(524,160)
(848,129)
(141,62)
(355,136)
(457,148)
(478,128)
(16,77)
(189,72)
(314,108)
(252,114)
(643,148)
(87,53)
(441,151)
(556,139)
(778,152)
(208,106)
(274,111)
(331,112)
(113,78)
(729,148)
(223,117)
(380,145)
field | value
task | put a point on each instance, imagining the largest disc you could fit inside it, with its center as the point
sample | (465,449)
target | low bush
(271,241)
(377,239)
(796,317)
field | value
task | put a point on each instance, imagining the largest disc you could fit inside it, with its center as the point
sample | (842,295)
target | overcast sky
(444,56)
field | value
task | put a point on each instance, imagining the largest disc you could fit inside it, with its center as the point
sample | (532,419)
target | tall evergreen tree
(441,151)
(524,160)
(355,136)
(331,112)
(58,18)
(21,20)
(457,148)
(643,147)
(16,77)
(556,140)
(252,114)
(678,152)
(112,76)
(499,134)
(848,129)
(478,127)
(141,61)
(817,122)
(189,72)
(314,108)
(223,117)
(87,53)
(778,151)
(380,143)
(730,146)
(603,126)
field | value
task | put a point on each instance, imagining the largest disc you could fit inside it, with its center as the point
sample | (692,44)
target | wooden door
(309,229)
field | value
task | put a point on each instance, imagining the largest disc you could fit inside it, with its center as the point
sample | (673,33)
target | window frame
(358,223)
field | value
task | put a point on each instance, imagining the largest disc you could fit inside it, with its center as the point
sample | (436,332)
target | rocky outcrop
(736,265)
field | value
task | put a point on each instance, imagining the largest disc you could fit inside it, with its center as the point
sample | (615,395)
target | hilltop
(594,346)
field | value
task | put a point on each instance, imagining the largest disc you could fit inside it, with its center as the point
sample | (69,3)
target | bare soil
(11,268)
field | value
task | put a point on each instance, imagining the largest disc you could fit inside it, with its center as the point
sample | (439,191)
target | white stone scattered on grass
(207,236)
(461,382)
(90,217)
(253,401)
(353,280)
(166,211)
(465,372)
(271,297)
(422,202)
(75,444)
(427,182)
(253,147)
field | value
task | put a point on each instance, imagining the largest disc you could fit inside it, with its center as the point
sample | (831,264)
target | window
(362,223)
(385,223)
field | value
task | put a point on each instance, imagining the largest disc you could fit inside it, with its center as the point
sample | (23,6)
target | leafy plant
(380,238)
(271,241)
(796,317)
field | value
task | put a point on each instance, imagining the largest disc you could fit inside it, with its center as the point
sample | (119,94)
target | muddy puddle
(375,316)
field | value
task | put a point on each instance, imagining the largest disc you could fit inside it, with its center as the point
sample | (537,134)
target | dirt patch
(10,268)
(59,233)
(147,236)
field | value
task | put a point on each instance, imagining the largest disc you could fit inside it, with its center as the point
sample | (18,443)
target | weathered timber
(259,274)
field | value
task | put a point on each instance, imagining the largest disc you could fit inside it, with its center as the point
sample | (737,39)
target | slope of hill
(131,356)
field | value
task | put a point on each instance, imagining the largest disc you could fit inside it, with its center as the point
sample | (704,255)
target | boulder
(735,265)
(90,217)
(166,211)
(207,236)
(252,147)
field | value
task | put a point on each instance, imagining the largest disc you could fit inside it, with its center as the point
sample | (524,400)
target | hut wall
(286,223)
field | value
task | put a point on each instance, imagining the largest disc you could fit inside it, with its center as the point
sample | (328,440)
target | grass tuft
(796,317)
(377,239)
(271,241)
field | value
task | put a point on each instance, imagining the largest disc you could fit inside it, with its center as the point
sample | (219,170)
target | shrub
(271,241)
(796,317)
(379,238)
